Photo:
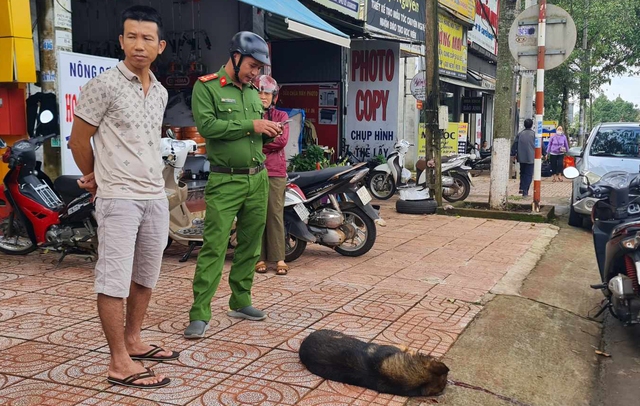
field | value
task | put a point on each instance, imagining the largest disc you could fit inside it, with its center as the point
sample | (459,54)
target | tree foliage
(604,110)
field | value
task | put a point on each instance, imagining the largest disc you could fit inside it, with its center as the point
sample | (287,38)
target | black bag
(546,169)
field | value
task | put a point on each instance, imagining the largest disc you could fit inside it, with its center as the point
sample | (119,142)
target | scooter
(337,210)
(479,160)
(185,226)
(388,177)
(36,212)
(616,239)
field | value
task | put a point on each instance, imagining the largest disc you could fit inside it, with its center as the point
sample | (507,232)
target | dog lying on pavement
(383,368)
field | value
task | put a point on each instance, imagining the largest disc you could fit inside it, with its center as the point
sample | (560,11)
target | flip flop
(150,355)
(282,270)
(128,381)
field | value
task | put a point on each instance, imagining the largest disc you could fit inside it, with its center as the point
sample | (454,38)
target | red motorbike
(35,212)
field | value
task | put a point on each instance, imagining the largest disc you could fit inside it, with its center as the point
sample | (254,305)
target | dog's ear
(438,368)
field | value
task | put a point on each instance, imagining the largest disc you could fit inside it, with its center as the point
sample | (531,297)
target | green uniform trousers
(228,196)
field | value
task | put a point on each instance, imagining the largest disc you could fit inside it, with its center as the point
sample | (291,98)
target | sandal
(151,355)
(282,270)
(261,267)
(128,381)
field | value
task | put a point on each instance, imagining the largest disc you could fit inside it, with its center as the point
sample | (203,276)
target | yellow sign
(452,49)
(465,8)
(455,133)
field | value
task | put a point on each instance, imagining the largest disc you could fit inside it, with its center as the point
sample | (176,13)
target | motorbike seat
(309,178)
(67,187)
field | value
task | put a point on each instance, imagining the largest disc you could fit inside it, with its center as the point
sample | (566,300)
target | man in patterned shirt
(122,110)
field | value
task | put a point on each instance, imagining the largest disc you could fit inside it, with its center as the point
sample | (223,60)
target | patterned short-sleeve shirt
(127,164)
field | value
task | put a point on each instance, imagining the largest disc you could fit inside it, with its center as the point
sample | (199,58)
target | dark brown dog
(383,368)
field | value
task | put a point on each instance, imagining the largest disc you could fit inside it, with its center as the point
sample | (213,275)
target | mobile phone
(286,122)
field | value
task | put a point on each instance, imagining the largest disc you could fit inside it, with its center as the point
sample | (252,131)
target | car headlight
(589,178)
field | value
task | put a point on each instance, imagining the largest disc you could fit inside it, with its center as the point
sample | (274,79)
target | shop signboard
(403,19)
(452,48)
(472,105)
(466,9)
(347,7)
(320,103)
(454,139)
(372,98)
(74,71)
(485,29)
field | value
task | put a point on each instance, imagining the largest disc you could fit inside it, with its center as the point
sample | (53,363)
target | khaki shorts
(132,236)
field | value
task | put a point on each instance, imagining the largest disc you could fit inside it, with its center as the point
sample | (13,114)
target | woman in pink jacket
(276,164)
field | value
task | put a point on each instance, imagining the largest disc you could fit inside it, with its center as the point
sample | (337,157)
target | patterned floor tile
(85,335)
(453,323)
(6,277)
(323,398)
(293,343)
(262,333)
(71,273)
(37,393)
(177,323)
(263,296)
(290,283)
(365,328)
(284,367)
(186,384)
(30,358)
(114,399)
(32,325)
(244,390)
(356,278)
(393,296)
(80,309)
(361,396)
(417,338)
(87,371)
(459,293)
(6,380)
(33,302)
(294,316)
(7,314)
(6,342)
(31,283)
(222,356)
(9,293)
(418,287)
(375,310)
(72,289)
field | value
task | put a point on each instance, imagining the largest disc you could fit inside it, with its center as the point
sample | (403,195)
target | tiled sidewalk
(419,286)
(550,192)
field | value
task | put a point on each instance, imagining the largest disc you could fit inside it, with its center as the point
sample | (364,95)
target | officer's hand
(266,127)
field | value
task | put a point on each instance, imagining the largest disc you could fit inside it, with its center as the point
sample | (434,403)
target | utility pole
(585,79)
(526,86)
(432,75)
(537,165)
(505,100)
(48,75)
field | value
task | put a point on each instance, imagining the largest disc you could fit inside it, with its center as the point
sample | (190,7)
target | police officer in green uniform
(228,113)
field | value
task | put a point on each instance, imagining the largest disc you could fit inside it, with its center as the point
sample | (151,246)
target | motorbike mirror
(46,117)
(2,144)
(170,133)
(570,172)
(473,157)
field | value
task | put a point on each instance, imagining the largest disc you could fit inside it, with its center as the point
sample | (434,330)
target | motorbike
(616,239)
(37,212)
(479,160)
(335,208)
(387,178)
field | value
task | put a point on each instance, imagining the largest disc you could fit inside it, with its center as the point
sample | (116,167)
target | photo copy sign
(372,98)
(74,71)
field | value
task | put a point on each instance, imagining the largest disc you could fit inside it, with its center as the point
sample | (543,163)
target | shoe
(196,329)
(249,313)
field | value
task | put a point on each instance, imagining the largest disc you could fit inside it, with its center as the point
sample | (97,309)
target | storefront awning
(462,83)
(302,20)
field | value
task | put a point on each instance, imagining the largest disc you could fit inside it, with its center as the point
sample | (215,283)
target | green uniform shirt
(224,115)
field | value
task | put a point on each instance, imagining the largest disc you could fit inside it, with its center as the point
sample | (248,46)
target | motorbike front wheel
(365,235)
(463,188)
(293,247)
(381,185)
(14,239)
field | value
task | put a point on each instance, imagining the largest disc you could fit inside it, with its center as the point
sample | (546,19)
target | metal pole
(537,166)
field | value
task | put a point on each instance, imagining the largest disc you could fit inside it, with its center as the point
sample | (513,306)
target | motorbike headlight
(589,178)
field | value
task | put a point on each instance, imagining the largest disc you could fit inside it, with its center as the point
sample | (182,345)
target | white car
(610,147)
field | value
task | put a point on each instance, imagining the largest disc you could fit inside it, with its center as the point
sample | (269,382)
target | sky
(626,87)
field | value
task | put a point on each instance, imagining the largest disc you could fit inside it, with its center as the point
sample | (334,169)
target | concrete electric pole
(432,76)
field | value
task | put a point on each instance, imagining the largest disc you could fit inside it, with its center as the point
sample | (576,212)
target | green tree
(604,110)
